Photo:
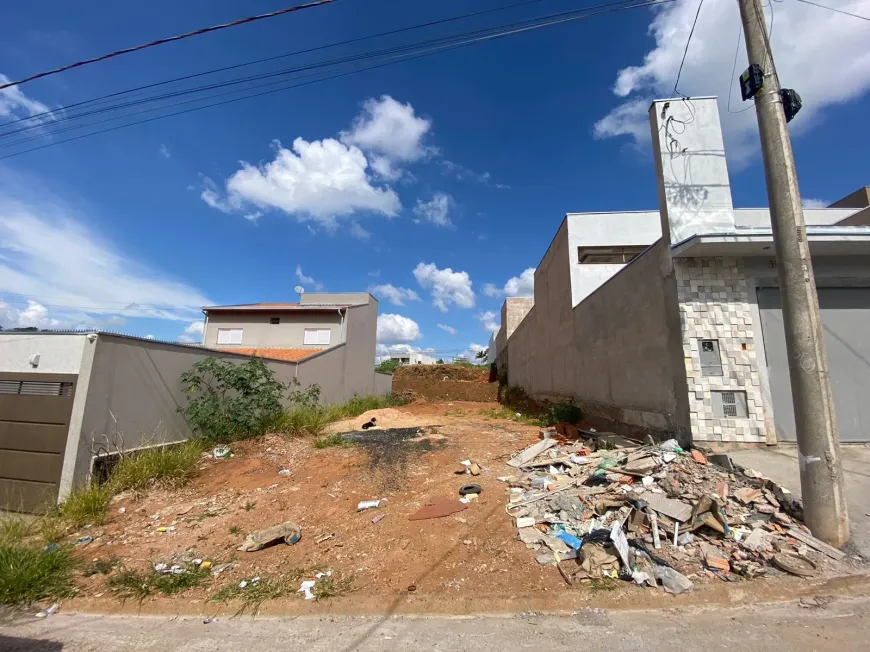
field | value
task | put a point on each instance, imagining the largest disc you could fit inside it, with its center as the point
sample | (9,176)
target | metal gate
(846,324)
(34,420)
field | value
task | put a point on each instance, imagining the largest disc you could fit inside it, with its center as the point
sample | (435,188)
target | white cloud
(150,337)
(821,54)
(517,286)
(397,329)
(35,314)
(436,210)
(307,280)
(815,203)
(195,328)
(447,329)
(391,133)
(45,251)
(396,296)
(253,217)
(357,231)
(384,351)
(471,352)
(446,286)
(321,181)
(165,152)
(14,103)
(489,320)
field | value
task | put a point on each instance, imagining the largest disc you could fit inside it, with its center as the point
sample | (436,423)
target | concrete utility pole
(818,443)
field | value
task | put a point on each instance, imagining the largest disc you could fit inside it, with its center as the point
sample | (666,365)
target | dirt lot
(468,561)
(445,383)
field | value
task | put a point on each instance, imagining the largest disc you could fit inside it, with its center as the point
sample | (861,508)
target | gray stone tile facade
(714,305)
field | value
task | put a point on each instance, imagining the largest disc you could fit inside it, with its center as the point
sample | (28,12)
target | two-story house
(294,331)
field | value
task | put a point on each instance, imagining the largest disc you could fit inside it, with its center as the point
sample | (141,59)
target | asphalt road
(837,624)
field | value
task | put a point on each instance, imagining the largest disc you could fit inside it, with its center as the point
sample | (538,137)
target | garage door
(846,323)
(34,419)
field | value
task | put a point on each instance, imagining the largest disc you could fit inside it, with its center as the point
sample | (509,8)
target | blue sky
(442,178)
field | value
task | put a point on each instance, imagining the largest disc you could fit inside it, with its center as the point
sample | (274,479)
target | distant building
(412,358)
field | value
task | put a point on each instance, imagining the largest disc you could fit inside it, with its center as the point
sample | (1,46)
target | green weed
(86,505)
(135,584)
(509,414)
(332,440)
(168,466)
(235,529)
(100,567)
(333,586)
(28,573)
(250,506)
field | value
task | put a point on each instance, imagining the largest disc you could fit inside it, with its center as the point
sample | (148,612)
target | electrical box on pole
(751,82)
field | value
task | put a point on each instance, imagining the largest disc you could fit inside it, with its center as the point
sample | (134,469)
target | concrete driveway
(780,464)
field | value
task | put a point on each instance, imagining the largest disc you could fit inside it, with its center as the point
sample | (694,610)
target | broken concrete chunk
(675,509)
(758,541)
(532,452)
(747,495)
(289,532)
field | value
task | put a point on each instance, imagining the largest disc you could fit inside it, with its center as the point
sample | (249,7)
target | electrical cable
(273,58)
(170,39)
(839,11)
(608,8)
(68,117)
(733,72)
(45,129)
(686,51)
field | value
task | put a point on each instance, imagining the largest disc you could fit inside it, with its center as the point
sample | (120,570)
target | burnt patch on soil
(390,449)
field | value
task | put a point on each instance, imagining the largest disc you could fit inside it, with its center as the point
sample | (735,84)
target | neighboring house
(412,358)
(70,398)
(670,320)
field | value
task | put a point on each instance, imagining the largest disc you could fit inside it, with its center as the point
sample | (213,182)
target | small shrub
(555,413)
(228,401)
(250,506)
(28,573)
(15,529)
(135,584)
(168,466)
(235,529)
(86,505)
(332,440)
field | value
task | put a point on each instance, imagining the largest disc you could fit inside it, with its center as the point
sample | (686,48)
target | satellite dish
(300,289)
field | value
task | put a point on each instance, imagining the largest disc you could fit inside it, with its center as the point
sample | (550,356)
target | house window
(711,362)
(317,336)
(274,320)
(229,336)
(608,255)
(729,404)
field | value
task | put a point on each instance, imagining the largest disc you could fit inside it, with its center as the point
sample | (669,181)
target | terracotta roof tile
(288,355)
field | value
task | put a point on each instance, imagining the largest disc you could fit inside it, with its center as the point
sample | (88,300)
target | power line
(686,51)
(839,11)
(607,8)
(197,32)
(273,58)
(41,126)
(733,71)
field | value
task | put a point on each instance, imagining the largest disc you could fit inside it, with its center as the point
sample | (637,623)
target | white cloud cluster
(447,329)
(821,54)
(436,210)
(35,314)
(391,133)
(307,280)
(396,296)
(165,152)
(471,352)
(516,286)
(46,252)
(815,203)
(193,333)
(14,103)
(447,287)
(319,181)
(397,329)
(489,320)
(384,351)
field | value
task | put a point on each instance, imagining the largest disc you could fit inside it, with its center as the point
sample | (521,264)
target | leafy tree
(440,361)
(481,355)
(228,401)
(387,366)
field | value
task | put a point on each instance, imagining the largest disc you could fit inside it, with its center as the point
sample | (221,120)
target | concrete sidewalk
(780,464)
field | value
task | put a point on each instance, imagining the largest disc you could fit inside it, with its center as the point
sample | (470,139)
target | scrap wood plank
(565,459)
(814,543)
(531,452)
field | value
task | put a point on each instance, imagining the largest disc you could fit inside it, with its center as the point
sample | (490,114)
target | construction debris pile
(600,506)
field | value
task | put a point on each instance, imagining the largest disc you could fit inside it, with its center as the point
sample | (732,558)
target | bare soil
(470,560)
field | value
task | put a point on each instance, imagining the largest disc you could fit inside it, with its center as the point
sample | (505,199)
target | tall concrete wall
(58,354)
(359,358)
(257,332)
(628,362)
(541,352)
